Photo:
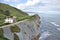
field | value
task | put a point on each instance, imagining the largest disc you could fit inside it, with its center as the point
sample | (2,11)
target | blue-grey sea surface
(50,25)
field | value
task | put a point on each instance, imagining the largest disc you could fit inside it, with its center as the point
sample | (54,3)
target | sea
(50,25)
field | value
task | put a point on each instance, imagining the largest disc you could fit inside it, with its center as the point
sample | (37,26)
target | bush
(15,28)
(16,37)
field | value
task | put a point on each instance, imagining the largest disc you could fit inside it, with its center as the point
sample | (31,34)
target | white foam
(54,24)
(44,35)
(58,29)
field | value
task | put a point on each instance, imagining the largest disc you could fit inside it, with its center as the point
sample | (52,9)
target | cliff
(27,29)
(24,27)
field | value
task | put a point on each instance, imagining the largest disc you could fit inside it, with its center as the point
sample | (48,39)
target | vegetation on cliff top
(7,10)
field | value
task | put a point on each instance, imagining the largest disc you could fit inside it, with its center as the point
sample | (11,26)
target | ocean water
(50,25)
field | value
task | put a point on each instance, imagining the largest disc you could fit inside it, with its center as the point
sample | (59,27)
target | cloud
(49,5)
(7,0)
(40,5)
(51,2)
(29,3)
(32,2)
(11,0)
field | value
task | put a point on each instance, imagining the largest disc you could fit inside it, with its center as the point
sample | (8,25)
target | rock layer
(29,29)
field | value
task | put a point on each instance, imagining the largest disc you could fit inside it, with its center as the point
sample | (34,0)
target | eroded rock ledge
(28,29)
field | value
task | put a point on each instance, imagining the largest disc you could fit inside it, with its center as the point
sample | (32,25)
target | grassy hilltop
(5,9)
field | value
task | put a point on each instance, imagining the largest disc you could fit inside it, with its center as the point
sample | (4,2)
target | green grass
(1,22)
(13,12)
(1,32)
(3,38)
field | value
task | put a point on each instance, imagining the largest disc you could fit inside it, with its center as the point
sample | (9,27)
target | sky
(34,5)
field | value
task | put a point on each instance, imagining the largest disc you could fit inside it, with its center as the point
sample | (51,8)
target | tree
(7,13)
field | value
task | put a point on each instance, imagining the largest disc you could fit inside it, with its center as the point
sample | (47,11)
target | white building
(9,20)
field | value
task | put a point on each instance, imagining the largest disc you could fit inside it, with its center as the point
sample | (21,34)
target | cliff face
(29,29)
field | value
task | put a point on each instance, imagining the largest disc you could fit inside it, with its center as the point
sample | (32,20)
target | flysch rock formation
(29,29)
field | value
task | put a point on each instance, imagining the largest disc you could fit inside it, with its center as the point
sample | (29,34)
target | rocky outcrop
(29,29)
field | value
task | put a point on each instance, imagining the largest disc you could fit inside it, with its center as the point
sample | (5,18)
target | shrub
(15,28)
